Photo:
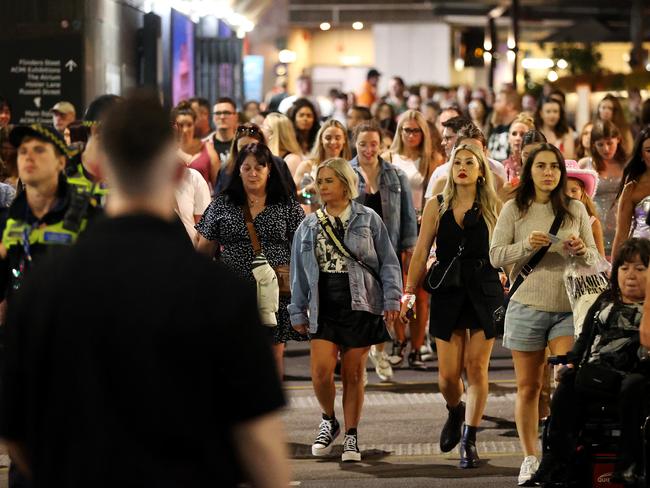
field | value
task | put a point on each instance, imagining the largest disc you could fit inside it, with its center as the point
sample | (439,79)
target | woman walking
(634,193)
(346,275)
(608,158)
(331,142)
(541,224)
(256,189)
(386,189)
(460,221)
(412,152)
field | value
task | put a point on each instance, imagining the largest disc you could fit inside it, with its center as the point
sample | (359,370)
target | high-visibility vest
(52,234)
(80,182)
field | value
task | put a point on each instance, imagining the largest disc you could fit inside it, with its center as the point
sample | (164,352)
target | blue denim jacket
(367,238)
(396,204)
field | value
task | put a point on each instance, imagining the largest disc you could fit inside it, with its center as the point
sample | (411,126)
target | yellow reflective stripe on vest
(53,234)
(79,181)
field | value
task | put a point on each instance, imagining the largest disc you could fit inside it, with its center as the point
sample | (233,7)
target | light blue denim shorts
(527,329)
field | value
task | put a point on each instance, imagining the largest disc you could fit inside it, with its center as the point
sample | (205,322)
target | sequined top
(604,201)
(639,226)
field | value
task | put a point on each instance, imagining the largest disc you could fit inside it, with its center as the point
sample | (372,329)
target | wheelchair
(597,450)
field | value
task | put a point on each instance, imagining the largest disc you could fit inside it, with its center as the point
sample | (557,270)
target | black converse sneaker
(328,430)
(351,451)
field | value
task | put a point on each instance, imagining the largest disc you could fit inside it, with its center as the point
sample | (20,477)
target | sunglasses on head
(244,130)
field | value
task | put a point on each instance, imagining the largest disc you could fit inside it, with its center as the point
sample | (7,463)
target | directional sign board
(37,73)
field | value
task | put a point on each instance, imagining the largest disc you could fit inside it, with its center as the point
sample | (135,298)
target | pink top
(202,164)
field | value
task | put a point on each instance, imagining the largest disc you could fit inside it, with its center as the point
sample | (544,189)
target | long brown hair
(604,129)
(525,195)
(586,199)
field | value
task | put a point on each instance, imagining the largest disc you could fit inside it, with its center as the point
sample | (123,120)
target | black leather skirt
(338,323)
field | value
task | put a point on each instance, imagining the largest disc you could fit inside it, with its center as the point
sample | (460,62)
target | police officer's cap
(45,133)
(98,108)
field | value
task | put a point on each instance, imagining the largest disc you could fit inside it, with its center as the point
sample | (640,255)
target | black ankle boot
(468,454)
(451,431)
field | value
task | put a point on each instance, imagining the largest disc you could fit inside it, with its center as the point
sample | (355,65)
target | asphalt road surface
(399,431)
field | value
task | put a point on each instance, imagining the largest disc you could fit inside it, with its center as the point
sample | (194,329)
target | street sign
(35,74)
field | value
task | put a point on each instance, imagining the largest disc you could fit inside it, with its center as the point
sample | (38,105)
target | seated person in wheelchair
(605,363)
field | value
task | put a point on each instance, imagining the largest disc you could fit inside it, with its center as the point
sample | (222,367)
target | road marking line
(421,449)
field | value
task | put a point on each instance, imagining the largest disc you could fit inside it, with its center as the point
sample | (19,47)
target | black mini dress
(481,294)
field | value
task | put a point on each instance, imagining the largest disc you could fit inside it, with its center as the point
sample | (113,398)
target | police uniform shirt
(19,217)
(133,366)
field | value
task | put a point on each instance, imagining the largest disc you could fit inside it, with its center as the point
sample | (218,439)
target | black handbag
(499,315)
(440,278)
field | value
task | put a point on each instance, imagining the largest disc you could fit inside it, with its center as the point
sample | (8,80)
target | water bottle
(306,194)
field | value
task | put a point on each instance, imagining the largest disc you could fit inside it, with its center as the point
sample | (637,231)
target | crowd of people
(379,228)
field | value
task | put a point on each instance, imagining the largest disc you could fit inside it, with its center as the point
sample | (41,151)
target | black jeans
(567,416)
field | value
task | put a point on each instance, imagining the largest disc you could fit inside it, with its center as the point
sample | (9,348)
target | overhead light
(647,67)
(552,76)
(325,26)
(357,25)
(487,56)
(350,60)
(511,43)
(562,64)
(537,63)
(487,45)
(287,56)
(512,56)
(459,64)
(241,32)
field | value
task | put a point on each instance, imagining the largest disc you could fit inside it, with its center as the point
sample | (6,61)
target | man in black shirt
(225,120)
(124,353)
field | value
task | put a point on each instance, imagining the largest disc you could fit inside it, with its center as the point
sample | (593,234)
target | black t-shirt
(124,362)
(498,142)
(223,149)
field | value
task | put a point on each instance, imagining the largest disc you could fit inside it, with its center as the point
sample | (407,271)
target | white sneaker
(528,469)
(426,352)
(350,449)
(382,367)
(328,430)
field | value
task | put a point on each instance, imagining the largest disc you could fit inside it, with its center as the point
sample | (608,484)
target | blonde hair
(525,118)
(283,137)
(486,196)
(317,155)
(426,147)
(344,172)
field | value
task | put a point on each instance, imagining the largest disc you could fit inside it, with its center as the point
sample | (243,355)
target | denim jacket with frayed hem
(396,204)
(367,238)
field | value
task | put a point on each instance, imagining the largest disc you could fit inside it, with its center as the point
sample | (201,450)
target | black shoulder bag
(439,279)
(340,245)
(499,315)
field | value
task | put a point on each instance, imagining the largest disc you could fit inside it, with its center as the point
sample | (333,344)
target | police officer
(43,215)
(83,171)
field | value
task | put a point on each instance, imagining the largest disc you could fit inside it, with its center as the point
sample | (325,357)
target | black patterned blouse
(223,222)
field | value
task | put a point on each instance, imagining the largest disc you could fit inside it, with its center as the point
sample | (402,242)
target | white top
(192,198)
(412,171)
(442,171)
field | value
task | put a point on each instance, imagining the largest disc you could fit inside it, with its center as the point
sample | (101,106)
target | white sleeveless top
(415,178)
